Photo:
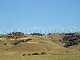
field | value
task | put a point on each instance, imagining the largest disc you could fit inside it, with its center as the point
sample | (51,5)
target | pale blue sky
(39,15)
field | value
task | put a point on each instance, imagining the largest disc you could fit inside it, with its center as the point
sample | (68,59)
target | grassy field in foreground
(42,57)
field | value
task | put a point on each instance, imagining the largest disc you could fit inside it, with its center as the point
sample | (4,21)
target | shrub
(35,54)
(23,54)
(17,42)
(70,40)
(5,43)
(43,53)
(29,54)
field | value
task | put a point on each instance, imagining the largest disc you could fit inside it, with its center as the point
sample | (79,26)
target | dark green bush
(23,54)
(5,43)
(70,42)
(35,53)
(29,54)
(43,53)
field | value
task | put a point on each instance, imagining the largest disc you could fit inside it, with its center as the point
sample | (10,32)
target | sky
(39,15)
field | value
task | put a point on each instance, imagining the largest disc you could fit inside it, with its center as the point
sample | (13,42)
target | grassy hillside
(22,46)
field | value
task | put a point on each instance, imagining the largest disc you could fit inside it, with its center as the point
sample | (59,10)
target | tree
(38,34)
(16,34)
